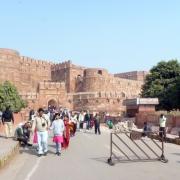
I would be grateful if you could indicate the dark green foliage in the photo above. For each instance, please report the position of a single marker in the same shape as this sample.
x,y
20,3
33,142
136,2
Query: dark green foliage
x,y
163,82
9,96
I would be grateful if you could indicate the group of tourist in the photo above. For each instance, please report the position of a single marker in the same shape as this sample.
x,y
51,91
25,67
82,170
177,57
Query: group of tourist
x,y
62,123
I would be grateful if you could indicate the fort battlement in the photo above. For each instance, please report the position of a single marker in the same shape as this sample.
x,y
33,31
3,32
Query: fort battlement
x,y
32,61
78,67
63,65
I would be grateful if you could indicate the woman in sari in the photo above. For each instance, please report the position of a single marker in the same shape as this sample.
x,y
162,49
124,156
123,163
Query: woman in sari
x,y
66,135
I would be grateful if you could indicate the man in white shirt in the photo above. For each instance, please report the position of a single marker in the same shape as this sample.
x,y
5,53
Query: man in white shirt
x,y
81,119
162,126
42,124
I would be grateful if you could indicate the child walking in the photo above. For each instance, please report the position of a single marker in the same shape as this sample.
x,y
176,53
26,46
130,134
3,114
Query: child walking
x,y
58,129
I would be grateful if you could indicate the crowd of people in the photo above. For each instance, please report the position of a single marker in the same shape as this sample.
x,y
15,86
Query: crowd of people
x,y
63,123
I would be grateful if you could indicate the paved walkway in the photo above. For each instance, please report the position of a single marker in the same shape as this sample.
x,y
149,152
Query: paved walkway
x,y
8,149
86,160
6,145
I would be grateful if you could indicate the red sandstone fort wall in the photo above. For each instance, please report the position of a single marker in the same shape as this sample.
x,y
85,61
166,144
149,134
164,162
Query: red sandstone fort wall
x,y
24,72
9,68
53,91
96,80
68,73
134,75
33,71
68,85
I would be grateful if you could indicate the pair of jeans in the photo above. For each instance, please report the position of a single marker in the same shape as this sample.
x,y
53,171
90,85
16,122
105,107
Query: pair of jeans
x,y
97,128
42,138
162,133
88,125
23,140
58,147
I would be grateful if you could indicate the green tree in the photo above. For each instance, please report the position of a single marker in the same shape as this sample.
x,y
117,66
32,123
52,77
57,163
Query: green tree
x,y
163,82
174,94
9,96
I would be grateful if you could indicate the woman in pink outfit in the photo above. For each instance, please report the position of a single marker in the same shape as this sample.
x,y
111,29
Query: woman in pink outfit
x,y
58,129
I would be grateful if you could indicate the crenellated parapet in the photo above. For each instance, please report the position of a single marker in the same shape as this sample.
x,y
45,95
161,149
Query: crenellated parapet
x,y
32,61
59,66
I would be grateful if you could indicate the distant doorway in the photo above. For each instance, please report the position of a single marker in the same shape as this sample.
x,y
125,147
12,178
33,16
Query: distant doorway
x,y
52,103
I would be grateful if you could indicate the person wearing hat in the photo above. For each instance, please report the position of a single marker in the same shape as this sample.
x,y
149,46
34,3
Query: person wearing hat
x,y
41,123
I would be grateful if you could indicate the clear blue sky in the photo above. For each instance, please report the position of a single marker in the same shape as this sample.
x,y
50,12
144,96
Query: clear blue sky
x,y
119,35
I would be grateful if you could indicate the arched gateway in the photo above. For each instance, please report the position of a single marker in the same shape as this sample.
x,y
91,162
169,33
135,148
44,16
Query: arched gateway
x,y
52,102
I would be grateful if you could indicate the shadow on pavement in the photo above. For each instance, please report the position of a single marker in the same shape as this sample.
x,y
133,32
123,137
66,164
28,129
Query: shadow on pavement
x,y
118,160
52,145
87,132
177,154
100,159
32,151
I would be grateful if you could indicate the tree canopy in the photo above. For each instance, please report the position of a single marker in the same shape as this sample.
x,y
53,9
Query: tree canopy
x,y
9,96
163,82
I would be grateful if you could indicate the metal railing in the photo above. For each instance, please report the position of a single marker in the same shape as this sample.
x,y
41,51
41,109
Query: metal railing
x,y
128,140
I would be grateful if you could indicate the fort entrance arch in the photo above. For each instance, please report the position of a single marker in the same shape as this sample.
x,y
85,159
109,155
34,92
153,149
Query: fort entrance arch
x,y
52,102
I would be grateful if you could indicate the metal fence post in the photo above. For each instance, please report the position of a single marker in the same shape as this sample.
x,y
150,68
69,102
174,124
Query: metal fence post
x,y
110,162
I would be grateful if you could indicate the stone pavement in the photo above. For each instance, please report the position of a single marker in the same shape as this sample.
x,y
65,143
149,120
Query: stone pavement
x,y
86,159
8,148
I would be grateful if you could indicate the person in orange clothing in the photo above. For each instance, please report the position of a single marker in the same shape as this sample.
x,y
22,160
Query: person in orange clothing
x,y
66,134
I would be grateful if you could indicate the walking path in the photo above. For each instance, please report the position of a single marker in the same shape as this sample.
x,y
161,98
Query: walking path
x,y
86,160
8,149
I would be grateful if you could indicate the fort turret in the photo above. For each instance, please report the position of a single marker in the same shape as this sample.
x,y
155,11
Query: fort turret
x,y
9,68
94,79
